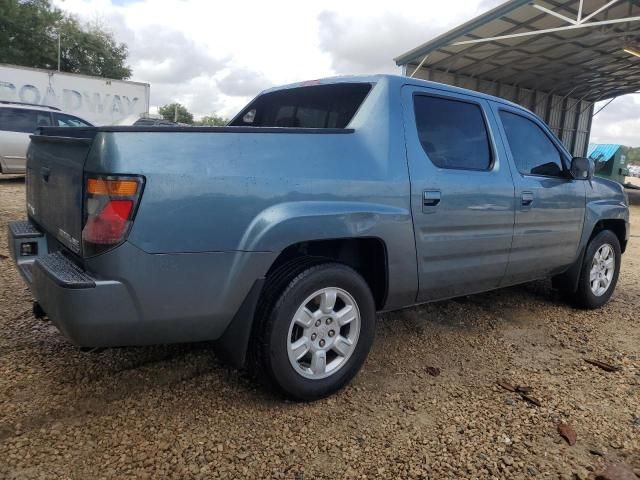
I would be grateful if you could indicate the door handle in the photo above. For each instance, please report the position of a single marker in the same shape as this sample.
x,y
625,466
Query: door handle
x,y
527,199
430,198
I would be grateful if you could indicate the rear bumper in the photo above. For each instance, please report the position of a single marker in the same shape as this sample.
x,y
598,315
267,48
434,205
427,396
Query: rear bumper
x,y
136,298
88,311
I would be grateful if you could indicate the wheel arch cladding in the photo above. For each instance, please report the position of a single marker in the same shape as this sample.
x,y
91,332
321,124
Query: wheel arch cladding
x,y
617,226
367,256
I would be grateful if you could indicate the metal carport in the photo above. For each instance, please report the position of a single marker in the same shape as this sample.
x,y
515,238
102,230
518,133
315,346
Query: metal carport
x,y
556,58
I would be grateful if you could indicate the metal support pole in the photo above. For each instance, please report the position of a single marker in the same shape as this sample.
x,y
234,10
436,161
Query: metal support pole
x,y
419,65
605,106
580,11
59,50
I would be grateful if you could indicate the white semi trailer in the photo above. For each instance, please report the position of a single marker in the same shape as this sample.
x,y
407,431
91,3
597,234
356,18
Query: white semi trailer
x,y
102,101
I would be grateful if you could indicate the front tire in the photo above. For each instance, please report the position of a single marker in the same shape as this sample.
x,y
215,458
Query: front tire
x,y
316,336
600,270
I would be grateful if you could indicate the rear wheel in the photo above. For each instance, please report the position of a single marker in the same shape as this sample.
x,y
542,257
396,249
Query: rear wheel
x,y
315,337
600,270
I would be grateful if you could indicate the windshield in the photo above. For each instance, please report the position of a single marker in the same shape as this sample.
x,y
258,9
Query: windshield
x,y
318,106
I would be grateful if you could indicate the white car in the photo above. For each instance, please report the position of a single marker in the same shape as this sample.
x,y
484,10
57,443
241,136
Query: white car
x,y
18,121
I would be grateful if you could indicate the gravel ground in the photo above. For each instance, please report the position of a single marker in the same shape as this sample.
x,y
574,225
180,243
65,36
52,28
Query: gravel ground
x,y
178,412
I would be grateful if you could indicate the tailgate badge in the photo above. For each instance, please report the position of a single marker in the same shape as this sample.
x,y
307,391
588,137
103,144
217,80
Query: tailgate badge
x,y
71,242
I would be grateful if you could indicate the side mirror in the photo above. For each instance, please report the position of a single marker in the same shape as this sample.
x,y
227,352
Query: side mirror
x,y
582,168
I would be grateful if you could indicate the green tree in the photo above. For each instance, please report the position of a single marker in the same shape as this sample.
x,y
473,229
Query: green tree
x,y
633,156
92,51
212,120
29,37
168,112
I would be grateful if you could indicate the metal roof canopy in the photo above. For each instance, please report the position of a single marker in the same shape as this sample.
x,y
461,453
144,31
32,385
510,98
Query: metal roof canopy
x,y
554,57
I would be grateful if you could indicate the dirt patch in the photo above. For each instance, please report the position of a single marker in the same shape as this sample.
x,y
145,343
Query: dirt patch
x,y
177,412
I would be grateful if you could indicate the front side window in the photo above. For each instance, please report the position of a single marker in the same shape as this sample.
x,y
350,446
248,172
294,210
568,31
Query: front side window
x,y
22,120
533,151
453,133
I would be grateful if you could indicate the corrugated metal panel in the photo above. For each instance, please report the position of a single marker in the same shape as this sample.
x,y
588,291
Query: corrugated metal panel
x,y
586,62
554,117
602,151
466,82
542,102
526,98
584,125
490,88
568,129
509,92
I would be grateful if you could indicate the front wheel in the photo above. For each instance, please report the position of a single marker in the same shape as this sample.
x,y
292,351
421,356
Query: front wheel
x,y
600,270
317,334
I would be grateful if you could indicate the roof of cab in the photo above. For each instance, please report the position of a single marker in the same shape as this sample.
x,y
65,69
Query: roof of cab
x,y
397,80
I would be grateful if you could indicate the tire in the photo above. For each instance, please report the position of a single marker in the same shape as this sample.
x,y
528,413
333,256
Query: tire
x,y
585,296
283,323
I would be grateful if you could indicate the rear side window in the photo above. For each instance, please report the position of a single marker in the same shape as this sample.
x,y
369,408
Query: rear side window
x,y
62,120
533,151
23,120
453,133
318,106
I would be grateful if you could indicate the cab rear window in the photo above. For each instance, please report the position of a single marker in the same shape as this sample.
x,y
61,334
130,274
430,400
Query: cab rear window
x,y
318,106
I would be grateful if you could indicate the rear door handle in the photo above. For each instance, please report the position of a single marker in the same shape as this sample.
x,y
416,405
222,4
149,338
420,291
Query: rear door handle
x,y
527,199
430,198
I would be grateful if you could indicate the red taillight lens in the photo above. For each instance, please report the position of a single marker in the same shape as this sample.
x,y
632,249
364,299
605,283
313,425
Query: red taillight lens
x,y
110,205
110,225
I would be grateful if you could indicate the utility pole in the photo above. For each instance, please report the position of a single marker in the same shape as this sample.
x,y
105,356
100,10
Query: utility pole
x,y
175,112
58,50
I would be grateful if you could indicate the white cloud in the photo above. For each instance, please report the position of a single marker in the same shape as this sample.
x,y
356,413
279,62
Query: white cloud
x,y
243,82
619,122
215,56
353,48
164,55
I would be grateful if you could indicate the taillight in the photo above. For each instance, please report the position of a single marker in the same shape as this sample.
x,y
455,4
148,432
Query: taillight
x,y
110,205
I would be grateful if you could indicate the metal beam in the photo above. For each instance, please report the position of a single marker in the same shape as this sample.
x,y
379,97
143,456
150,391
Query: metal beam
x,y
597,64
501,47
419,65
580,10
447,38
549,30
602,9
555,14
605,106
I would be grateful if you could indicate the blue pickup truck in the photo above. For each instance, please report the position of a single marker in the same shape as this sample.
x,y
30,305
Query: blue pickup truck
x,y
281,235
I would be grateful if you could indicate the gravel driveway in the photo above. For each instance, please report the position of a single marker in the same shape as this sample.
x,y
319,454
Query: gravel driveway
x,y
426,405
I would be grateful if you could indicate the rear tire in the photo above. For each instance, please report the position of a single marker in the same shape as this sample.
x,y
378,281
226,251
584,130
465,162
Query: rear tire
x,y
313,336
599,272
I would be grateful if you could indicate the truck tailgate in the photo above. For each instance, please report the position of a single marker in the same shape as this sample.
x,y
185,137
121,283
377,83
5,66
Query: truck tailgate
x,y
55,162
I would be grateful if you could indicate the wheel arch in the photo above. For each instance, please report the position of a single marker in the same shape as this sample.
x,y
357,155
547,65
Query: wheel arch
x,y
568,280
616,225
366,255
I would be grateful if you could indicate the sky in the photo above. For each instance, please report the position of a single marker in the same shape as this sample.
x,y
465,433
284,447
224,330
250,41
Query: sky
x,y
214,56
